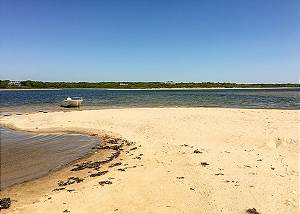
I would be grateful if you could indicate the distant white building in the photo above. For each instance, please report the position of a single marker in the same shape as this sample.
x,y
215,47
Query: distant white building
x,y
170,82
123,84
14,83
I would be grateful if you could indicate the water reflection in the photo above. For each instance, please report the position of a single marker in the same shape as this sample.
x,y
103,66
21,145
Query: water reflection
x,y
25,156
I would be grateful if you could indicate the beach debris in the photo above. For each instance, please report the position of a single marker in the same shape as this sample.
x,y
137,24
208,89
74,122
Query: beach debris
x,y
180,177
5,203
247,166
185,145
85,165
259,160
98,174
134,148
128,143
58,189
114,144
197,151
204,164
192,189
97,164
78,180
219,173
273,168
66,211
226,151
252,211
112,140
69,181
71,190
114,147
49,198
115,164
102,183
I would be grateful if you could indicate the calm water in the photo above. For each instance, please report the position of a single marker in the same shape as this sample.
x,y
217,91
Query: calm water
x,y
25,156
34,100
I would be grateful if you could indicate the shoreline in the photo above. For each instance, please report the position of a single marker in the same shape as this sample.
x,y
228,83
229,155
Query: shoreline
x,y
137,89
8,114
168,139
206,88
30,89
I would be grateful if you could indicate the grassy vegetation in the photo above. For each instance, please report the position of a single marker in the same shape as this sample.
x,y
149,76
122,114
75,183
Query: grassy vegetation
x,y
28,84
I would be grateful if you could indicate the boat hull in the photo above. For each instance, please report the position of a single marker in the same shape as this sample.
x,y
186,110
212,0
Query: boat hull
x,y
72,103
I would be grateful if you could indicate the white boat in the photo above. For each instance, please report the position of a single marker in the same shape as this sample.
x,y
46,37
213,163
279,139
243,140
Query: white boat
x,y
72,102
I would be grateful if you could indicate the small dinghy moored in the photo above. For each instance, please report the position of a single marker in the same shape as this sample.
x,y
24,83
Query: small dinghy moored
x,y
72,102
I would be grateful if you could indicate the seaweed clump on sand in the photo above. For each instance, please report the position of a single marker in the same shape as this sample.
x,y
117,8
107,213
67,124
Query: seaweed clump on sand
x,y
115,164
102,183
59,189
204,164
252,211
115,144
197,151
98,174
97,164
5,203
70,180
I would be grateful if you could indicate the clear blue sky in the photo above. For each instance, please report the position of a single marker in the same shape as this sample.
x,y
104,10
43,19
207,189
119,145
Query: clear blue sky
x,y
154,40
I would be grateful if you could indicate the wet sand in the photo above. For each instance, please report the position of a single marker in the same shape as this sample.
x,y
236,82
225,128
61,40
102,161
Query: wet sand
x,y
169,160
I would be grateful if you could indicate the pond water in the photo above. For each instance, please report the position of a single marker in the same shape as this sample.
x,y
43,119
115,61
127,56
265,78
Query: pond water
x,y
25,155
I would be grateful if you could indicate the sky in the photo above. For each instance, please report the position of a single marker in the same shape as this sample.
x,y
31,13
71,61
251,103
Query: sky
x,y
242,41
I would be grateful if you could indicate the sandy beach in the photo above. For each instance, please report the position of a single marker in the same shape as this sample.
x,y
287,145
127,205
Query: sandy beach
x,y
168,160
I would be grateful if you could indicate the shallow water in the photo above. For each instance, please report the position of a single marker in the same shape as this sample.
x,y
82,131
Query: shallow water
x,y
25,155
50,100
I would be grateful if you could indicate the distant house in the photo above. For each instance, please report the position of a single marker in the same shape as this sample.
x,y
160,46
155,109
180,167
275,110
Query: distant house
x,y
123,84
170,82
14,83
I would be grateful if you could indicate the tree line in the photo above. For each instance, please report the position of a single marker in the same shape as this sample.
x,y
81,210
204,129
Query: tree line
x,y
29,84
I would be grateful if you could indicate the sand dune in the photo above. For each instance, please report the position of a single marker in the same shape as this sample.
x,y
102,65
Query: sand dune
x,y
179,160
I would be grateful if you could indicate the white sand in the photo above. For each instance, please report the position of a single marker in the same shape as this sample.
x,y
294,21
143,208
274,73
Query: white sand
x,y
241,147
